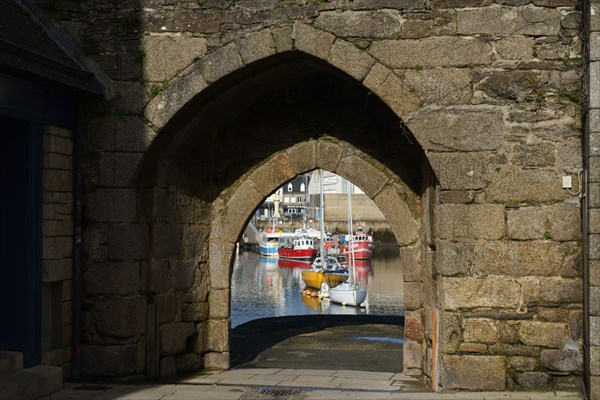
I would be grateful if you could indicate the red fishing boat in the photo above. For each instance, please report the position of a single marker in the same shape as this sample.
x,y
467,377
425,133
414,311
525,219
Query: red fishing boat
x,y
302,248
360,247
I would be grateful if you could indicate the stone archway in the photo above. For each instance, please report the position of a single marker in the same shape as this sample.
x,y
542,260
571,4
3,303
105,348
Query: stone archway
x,y
398,203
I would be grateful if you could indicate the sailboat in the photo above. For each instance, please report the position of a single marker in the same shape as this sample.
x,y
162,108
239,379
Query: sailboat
x,y
350,292
324,268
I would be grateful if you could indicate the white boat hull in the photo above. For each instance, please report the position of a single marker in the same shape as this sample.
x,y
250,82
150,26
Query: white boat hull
x,y
348,294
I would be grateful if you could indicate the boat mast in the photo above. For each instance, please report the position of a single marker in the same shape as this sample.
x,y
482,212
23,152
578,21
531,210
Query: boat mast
x,y
351,236
322,219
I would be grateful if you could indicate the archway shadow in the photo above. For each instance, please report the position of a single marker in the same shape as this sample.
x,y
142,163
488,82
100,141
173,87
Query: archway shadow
x,y
329,342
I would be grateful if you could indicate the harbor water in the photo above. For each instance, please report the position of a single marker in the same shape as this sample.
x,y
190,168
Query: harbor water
x,y
270,287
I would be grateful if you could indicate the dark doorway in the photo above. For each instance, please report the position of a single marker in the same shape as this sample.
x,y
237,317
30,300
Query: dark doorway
x,y
20,237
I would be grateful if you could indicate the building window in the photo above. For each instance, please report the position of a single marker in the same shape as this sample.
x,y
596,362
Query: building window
x,y
290,187
302,187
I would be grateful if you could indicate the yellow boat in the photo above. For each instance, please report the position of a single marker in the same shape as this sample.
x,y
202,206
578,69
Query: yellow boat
x,y
313,278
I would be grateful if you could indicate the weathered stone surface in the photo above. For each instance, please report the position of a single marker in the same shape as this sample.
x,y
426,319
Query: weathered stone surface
x,y
350,59
312,41
413,326
412,355
167,367
458,129
595,327
559,290
515,47
189,362
450,332
545,334
538,381
282,38
256,46
521,363
218,361
473,372
451,86
479,331
450,51
220,261
173,337
119,169
229,221
392,90
530,186
453,258
219,303
456,197
112,278
461,171
472,348
369,25
111,205
302,156
168,307
368,174
127,242
122,317
218,335
561,360
557,222
180,91
166,56
535,155
475,221
541,258
502,20
480,292
108,360
328,154
398,215
394,4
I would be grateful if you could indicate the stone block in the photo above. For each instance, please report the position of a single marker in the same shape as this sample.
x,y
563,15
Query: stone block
x,y
473,372
462,171
363,24
559,290
256,46
220,263
350,59
218,335
536,21
514,186
302,156
169,101
122,317
183,274
480,331
594,367
273,174
412,295
119,169
111,205
450,86
520,363
594,330
412,355
561,360
58,180
312,41
458,293
537,155
450,332
168,307
472,348
594,272
409,53
558,222
594,247
394,207
108,360
545,334
594,83
453,258
167,240
229,221
166,56
515,48
520,259
130,98
119,278
474,221
413,326
366,173
533,381
411,264
217,361
174,336
594,300
57,270
392,90
462,129
127,242
219,300
189,362
456,197
282,38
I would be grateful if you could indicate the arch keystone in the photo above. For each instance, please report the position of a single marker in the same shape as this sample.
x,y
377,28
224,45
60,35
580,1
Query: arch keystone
x,y
274,173
329,154
364,174
312,41
303,156
256,45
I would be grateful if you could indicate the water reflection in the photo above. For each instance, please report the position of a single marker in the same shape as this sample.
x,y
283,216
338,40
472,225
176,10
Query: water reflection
x,y
267,287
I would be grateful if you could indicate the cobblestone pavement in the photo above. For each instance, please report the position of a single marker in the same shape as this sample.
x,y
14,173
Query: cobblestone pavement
x,y
286,384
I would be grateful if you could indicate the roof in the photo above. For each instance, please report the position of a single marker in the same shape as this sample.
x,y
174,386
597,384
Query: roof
x,y
27,46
